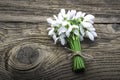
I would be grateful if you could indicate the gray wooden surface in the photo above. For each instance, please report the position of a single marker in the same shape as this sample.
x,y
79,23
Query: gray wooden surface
x,y
28,53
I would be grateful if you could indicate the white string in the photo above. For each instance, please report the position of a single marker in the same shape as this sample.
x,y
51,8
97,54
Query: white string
x,y
81,54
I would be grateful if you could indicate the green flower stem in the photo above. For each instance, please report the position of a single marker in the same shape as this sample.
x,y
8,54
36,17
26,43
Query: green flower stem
x,y
78,63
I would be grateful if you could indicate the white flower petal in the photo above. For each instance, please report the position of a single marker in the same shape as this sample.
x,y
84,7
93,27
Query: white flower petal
x,y
68,16
51,32
58,22
82,30
49,28
73,13
60,17
55,17
53,22
83,14
89,18
74,26
91,29
70,29
55,39
63,12
62,36
64,23
76,32
62,39
86,24
90,35
78,15
81,38
68,33
61,30
94,33
50,21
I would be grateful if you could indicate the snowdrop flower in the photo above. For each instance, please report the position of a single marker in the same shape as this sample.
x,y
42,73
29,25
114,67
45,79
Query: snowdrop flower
x,y
78,15
50,21
55,38
82,31
71,22
86,24
68,16
64,23
76,32
55,17
89,35
53,22
91,29
89,18
61,30
63,12
62,39
81,38
71,14
94,33
51,31
83,14
71,27
60,17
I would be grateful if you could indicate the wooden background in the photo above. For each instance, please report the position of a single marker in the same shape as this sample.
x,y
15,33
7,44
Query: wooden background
x,y
28,53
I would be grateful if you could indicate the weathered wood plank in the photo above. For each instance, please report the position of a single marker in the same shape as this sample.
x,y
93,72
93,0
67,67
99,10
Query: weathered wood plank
x,y
107,33
42,19
23,30
4,75
37,10
57,64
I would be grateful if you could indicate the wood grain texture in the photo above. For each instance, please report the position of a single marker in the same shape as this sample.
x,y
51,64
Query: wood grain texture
x,y
23,30
37,10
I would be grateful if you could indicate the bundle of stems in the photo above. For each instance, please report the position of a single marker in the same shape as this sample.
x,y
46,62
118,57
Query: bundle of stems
x,y
78,62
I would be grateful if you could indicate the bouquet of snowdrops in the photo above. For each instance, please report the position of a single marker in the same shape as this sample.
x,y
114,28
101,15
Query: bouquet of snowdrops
x,y
72,27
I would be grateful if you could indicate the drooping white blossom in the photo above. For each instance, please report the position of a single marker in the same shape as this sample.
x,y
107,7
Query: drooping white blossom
x,y
71,27
51,31
82,31
89,35
55,38
89,18
61,30
78,15
71,22
63,13
62,39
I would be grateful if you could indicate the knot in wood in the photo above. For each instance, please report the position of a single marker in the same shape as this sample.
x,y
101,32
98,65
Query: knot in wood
x,y
25,56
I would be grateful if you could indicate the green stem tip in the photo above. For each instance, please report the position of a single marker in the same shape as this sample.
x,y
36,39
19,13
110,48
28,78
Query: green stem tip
x,y
78,64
